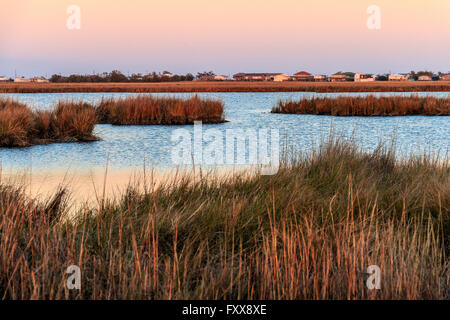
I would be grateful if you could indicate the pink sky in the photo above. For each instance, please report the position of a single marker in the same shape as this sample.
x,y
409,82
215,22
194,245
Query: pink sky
x,y
227,36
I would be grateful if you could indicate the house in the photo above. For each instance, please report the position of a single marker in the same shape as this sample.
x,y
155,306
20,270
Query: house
x,y
320,77
303,76
338,77
445,77
425,78
22,80
255,76
221,78
281,77
363,77
39,80
4,79
398,77
167,74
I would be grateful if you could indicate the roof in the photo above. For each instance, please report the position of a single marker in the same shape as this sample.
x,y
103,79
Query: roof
x,y
303,73
256,74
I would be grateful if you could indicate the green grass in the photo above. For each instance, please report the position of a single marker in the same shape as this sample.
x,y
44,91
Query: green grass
x,y
308,232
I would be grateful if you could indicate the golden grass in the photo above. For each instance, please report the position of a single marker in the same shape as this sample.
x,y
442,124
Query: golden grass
x,y
227,86
308,232
367,106
73,121
21,127
146,109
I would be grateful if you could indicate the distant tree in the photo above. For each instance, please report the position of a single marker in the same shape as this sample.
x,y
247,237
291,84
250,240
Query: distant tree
x,y
55,78
382,77
206,74
117,76
413,75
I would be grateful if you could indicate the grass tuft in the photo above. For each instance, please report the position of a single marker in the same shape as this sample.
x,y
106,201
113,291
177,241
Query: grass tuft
x,y
308,232
367,106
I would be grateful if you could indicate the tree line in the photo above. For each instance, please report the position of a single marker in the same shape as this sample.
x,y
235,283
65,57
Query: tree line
x,y
117,76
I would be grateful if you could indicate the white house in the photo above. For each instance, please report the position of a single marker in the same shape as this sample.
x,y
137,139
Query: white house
x,y
221,78
425,78
398,77
320,77
363,77
4,79
22,80
281,77
39,80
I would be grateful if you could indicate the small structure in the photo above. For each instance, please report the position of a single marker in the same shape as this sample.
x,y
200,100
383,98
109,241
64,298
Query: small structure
x,y
445,77
167,74
320,77
398,77
22,80
255,76
4,79
425,78
281,77
39,80
303,76
364,77
221,78
338,77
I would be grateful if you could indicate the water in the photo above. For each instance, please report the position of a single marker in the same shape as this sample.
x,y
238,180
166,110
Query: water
x,y
127,146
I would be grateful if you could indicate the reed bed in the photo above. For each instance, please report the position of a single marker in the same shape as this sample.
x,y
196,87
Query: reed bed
x,y
147,110
367,106
71,121
308,232
228,86
67,122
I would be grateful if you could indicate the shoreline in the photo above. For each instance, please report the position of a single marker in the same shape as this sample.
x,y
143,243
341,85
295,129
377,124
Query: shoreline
x,y
228,86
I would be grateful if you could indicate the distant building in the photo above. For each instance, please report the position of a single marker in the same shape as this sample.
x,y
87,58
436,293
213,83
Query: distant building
x,y
167,74
320,77
363,77
4,79
281,77
303,76
255,76
445,77
425,78
39,80
338,78
398,77
221,78
22,80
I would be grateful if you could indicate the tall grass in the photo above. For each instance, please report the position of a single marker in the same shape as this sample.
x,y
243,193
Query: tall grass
x,y
72,121
21,127
228,86
145,110
308,232
367,106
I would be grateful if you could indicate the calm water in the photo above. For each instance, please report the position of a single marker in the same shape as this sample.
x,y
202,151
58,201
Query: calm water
x,y
128,146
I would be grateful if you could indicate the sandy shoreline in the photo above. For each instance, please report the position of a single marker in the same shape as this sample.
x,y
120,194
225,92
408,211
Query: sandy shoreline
x,y
91,185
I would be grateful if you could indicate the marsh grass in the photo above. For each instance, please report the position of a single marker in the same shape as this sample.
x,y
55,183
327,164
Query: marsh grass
x,y
308,232
68,122
229,86
72,121
367,106
147,109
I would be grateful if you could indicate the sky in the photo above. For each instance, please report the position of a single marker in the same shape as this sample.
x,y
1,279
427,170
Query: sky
x,y
225,36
